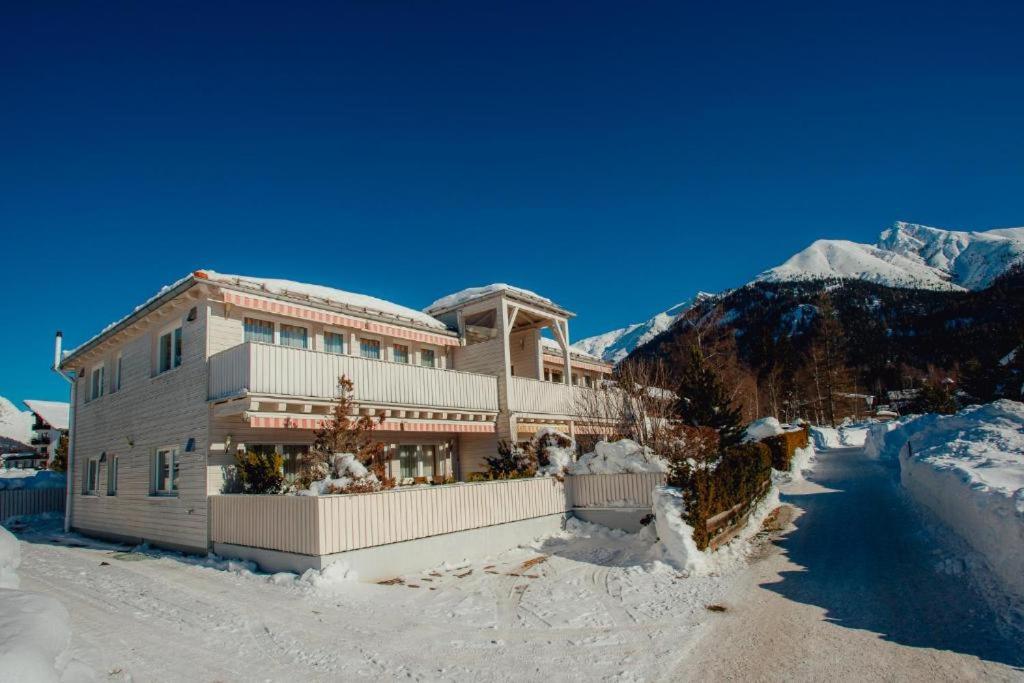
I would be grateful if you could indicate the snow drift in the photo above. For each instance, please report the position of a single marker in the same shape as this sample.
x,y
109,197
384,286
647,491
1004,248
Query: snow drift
x,y
618,457
968,470
763,428
35,630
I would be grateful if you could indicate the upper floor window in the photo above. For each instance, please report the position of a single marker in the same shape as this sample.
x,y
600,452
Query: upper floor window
x,y
401,352
334,342
369,348
169,351
294,336
118,372
96,379
165,471
428,358
259,331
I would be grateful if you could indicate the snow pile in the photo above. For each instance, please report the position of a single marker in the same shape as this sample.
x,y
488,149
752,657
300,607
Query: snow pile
x,y
348,472
763,428
801,462
676,536
32,479
558,448
968,469
332,577
619,457
846,436
35,630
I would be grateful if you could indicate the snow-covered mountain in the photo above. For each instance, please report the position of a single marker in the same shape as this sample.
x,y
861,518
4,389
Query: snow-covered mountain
x,y
615,345
910,255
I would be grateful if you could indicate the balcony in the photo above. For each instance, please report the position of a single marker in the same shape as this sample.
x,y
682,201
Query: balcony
x,y
262,369
553,398
41,440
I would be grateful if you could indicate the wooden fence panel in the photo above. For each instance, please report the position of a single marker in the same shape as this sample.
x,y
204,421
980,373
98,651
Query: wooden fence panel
x,y
614,490
30,502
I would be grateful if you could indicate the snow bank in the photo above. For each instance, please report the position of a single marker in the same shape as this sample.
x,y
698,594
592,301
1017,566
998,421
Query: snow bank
x,y
851,435
801,462
763,428
968,469
32,479
825,437
618,457
676,536
35,630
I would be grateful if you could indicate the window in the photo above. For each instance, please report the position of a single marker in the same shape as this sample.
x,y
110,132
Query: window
x,y
427,358
261,331
426,461
406,462
334,342
369,348
96,382
292,456
92,475
169,350
294,336
112,475
118,372
401,352
165,471
556,377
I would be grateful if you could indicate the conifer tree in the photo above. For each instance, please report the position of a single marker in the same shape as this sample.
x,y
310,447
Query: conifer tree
x,y
704,401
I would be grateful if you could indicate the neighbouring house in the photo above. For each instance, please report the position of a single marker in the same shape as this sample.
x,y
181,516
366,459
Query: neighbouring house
x,y
16,455
215,364
50,423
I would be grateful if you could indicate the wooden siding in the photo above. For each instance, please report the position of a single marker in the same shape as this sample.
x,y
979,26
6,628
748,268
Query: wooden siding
x,y
322,525
30,502
550,398
149,411
283,371
613,490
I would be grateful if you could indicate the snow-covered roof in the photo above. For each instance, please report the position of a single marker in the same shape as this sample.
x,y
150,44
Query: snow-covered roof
x,y
329,295
55,413
555,347
472,293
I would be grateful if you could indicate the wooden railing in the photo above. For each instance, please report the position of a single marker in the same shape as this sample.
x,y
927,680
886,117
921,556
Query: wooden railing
x,y
284,371
30,502
613,490
322,525
553,398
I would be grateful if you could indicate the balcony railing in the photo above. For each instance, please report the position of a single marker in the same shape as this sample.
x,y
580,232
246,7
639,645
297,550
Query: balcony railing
x,y
283,371
553,398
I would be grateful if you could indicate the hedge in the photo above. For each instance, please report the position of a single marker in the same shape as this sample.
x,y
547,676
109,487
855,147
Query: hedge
x,y
740,477
783,446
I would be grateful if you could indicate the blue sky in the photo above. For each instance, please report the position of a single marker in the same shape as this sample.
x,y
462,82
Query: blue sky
x,y
616,157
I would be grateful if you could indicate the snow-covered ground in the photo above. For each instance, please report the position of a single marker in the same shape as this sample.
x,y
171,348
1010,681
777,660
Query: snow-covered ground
x,y
587,604
845,436
968,470
35,630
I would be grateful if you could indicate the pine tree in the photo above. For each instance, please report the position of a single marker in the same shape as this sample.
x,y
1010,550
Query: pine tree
x,y
704,401
60,455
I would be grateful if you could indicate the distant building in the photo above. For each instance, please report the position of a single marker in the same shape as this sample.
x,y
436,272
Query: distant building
x,y
50,423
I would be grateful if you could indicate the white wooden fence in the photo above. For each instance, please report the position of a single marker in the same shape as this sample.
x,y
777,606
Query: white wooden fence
x,y
30,502
322,525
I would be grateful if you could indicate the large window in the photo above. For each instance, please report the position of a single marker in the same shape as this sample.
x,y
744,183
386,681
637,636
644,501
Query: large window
x,y
92,476
96,379
334,342
428,358
259,331
165,471
169,350
416,462
294,336
369,348
401,352
112,475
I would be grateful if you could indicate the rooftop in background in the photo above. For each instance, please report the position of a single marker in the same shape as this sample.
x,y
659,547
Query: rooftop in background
x,y
55,413
474,293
